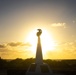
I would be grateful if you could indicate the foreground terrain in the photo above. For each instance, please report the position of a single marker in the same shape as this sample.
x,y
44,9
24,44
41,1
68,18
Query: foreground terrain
x,y
20,66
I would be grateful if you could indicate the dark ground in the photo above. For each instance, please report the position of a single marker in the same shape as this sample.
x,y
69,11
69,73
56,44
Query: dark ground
x,y
19,66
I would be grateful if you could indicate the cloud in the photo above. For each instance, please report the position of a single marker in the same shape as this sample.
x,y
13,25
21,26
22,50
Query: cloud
x,y
4,50
12,46
15,44
68,47
59,25
15,50
11,54
2,46
19,49
63,50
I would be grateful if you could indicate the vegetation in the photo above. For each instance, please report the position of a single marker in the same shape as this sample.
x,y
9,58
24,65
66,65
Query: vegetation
x,y
63,66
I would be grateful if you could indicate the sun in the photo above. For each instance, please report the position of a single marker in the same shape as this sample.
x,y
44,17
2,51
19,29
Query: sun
x,y
47,41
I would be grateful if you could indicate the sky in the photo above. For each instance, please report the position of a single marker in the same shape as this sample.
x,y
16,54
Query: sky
x,y
20,18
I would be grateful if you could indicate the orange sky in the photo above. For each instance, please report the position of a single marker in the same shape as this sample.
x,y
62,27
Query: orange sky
x,y
20,20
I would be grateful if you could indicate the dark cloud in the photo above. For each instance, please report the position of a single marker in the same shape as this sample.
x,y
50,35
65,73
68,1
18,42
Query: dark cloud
x,y
2,46
15,44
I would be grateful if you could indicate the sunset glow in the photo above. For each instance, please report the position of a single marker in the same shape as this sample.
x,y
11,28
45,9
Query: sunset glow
x,y
47,41
20,19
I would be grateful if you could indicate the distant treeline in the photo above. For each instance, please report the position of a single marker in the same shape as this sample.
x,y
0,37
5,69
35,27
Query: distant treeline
x,y
24,64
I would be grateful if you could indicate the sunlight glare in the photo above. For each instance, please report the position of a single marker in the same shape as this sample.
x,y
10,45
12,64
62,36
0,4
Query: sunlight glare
x,y
47,41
